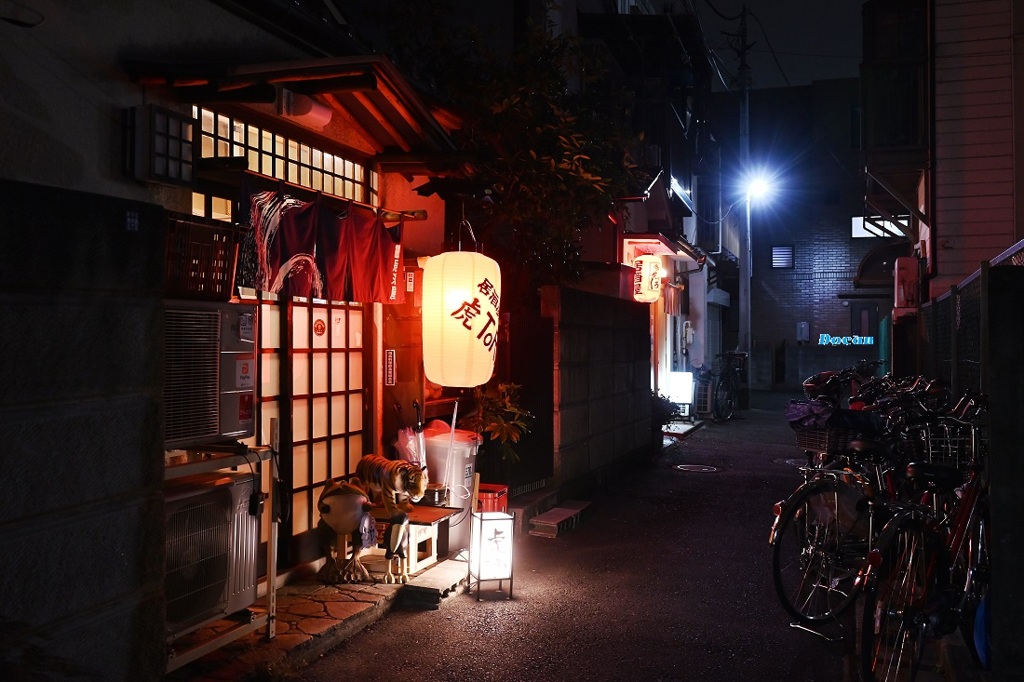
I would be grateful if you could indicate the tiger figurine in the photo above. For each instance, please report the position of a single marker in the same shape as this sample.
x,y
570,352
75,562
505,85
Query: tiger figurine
x,y
397,482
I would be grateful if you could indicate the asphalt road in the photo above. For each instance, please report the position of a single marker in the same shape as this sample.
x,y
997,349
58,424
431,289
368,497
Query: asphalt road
x,y
667,577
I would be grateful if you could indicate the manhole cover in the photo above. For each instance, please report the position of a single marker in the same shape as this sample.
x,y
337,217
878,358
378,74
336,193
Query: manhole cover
x,y
700,468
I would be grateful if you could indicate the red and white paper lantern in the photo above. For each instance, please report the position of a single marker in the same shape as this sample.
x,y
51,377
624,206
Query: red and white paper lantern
x,y
461,300
646,278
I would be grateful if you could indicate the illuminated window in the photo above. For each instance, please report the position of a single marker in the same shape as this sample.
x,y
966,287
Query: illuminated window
x,y
278,157
782,256
210,206
876,226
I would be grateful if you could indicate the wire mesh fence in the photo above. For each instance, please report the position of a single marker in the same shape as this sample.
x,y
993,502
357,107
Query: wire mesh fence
x,y
953,329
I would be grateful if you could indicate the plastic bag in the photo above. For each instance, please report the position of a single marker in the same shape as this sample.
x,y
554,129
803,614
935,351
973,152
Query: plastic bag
x,y
408,445
808,413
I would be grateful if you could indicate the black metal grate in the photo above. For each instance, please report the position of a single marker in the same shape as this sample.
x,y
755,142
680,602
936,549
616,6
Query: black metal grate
x,y
191,374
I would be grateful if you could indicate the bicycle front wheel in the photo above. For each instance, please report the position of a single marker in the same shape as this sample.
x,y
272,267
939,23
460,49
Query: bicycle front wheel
x,y
819,547
896,604
725,399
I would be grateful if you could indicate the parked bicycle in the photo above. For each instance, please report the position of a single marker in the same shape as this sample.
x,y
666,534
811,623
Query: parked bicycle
x,y
929,571
727,388
825,531
841,386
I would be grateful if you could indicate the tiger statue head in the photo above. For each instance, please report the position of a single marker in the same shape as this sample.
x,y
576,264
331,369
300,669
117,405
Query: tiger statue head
x,y
396,482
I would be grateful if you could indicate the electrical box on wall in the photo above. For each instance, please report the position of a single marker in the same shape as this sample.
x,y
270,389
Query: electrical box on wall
x,y
414,284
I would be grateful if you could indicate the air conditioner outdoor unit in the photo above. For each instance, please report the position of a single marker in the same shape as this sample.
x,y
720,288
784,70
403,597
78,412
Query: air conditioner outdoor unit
x,y
209,372
211,544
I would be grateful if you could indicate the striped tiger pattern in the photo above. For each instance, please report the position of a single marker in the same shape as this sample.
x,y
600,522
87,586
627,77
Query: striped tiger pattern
x,y
398,483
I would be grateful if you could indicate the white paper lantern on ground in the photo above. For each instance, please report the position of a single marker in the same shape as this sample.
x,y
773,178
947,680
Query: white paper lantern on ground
x,y
646,278
461,300
490,549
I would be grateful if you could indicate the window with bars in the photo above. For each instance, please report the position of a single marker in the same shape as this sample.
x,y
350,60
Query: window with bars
x,y
782,256
171,151
282,158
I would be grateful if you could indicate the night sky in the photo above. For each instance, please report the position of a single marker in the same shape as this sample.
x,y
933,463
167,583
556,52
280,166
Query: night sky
x,y
811,39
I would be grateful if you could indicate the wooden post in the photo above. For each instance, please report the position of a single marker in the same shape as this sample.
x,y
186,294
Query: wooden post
x,y
476,493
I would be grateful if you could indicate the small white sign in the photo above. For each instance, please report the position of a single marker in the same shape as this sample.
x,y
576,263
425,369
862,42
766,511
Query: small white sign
x,y
389,367
246,327
244,375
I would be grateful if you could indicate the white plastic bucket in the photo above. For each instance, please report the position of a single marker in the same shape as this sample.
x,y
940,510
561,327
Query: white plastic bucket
x,y
456,471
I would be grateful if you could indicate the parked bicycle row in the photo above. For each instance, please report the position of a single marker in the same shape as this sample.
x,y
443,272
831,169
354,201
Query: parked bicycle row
x,y
892,506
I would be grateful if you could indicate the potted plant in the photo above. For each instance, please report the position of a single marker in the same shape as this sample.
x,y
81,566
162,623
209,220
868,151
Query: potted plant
x,y
499,419
663,411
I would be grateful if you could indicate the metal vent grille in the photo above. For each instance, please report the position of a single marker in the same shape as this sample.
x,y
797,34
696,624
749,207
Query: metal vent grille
x,y
191,375
782,256
211,547
198,546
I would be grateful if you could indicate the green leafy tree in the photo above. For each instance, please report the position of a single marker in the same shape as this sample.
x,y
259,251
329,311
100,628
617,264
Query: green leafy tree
x,y
549,136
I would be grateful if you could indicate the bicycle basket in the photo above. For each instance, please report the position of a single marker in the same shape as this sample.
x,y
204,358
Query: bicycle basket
x,y
823,439
736,360
950,444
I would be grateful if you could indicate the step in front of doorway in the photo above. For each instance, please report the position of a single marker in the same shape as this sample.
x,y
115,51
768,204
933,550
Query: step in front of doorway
x,y
558,519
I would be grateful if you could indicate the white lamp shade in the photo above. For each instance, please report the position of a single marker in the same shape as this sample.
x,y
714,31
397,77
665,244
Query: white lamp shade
x,y
490,551
461,300
646,278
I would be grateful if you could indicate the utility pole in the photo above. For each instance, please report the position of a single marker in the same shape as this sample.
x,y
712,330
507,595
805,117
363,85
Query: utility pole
x,y
744,255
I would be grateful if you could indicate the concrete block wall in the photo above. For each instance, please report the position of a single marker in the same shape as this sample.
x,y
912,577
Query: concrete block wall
x,y
81,325
602,389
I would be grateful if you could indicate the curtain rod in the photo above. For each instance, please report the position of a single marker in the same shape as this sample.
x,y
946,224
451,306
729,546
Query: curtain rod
x,y
387,215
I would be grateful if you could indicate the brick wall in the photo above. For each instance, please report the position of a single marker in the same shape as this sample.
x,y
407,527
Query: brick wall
x,y
810,135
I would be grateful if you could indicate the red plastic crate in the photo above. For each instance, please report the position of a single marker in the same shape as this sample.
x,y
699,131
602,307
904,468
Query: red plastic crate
x,y
492,498
201,258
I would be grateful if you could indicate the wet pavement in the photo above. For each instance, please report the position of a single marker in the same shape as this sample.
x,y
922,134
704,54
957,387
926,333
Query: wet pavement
x,y
665,577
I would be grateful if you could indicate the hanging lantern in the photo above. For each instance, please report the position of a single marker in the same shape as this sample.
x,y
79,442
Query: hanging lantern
x,y
646,278
461,297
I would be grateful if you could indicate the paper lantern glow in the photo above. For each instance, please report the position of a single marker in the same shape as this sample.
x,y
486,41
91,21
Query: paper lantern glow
x,y
646,278
461,300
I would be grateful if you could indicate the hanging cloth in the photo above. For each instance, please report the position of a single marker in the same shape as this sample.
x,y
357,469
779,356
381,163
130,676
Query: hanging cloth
x,y
291,255
361,259
260,258
395,264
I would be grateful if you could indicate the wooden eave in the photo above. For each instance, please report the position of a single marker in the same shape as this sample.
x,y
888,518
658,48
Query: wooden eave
x,y
366,91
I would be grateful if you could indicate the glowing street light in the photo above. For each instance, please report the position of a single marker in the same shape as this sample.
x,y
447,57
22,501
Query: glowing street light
x,y
757,187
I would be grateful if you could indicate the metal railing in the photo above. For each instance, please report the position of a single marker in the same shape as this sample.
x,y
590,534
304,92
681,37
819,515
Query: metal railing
x,y
954,329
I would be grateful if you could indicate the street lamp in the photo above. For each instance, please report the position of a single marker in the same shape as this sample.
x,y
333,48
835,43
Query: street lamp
x,y
757,186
